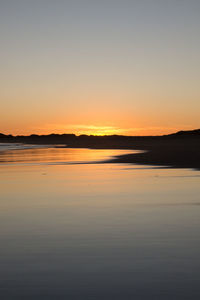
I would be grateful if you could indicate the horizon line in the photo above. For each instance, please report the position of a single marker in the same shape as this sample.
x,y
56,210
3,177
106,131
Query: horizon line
x,y
98,135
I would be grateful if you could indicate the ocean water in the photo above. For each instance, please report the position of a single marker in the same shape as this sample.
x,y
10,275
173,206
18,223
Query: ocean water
x,y
96,231
19,146
58,154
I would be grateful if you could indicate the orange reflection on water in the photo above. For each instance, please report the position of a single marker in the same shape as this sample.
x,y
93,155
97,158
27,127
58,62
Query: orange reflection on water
x,y
59,155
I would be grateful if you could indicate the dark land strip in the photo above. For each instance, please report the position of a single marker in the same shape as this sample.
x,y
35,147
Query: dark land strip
x,y
179,150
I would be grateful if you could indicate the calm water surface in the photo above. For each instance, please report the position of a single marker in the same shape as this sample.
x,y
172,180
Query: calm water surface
x,y
96,231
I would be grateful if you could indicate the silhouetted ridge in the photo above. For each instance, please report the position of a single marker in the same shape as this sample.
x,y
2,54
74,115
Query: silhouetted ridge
x,y
106,141
187,133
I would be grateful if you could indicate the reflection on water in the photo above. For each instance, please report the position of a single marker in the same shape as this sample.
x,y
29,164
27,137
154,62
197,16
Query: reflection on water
x,y
45,154
98,231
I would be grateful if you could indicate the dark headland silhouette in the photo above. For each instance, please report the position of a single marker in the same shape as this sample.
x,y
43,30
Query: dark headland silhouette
x,y
181,149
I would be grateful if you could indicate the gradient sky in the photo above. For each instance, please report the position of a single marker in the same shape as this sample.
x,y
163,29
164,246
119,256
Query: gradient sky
x,y
90,66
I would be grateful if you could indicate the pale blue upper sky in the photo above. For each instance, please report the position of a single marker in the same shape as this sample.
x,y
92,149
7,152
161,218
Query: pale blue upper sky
x,y
128,65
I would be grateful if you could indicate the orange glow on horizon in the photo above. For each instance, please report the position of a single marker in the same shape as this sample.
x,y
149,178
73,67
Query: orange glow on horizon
x,y
96,130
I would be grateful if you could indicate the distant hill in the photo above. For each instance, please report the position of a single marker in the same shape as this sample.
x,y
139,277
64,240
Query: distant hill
x,y
187,133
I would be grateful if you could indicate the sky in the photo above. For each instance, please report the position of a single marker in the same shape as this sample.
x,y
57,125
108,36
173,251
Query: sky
x,y
127,67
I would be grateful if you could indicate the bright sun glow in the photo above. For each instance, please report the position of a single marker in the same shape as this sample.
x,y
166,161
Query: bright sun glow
x,y
100,130
79,129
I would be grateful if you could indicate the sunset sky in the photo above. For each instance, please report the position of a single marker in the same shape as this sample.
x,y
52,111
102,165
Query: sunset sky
x,y
99,67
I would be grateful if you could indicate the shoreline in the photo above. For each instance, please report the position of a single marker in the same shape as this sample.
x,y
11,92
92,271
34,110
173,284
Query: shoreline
x,y
170,152
175,155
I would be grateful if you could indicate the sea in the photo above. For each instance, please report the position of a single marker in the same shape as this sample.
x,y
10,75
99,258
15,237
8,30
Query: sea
x,y
73,226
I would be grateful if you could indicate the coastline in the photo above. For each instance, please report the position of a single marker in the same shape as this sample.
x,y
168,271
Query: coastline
x,y
170,155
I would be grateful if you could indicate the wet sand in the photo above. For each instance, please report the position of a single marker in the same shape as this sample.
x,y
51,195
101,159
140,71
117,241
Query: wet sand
x,y
97,231
183,153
